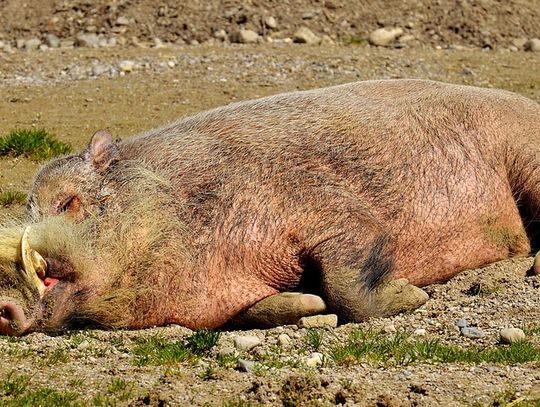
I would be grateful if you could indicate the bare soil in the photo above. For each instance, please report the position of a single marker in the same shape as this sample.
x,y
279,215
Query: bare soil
x,y
60,91
481,23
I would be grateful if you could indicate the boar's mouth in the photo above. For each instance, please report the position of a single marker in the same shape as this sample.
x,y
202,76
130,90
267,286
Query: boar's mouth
x,y
35,267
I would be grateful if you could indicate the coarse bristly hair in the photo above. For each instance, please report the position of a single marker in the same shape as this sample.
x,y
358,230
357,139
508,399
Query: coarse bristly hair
x,y
109,255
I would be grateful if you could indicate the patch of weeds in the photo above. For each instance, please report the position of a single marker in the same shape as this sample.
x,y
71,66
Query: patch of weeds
x,y
156,350
237,403
76,382
508,398
35,144
15,391
354,40
202,341
9,198
483,290
102,400
227,361
531,330
313,339
120,388
274,359
13,385
370,346
210,373
59,355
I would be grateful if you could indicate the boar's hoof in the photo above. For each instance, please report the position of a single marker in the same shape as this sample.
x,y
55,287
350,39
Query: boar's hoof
x,y
398,296
279,309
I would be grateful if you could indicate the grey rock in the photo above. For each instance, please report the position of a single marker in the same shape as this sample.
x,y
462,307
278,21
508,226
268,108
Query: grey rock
x,y
52,40
67,44
98,70
126,66
533,45
384,37
32,44
158,43
315,359
462,323
245,365
318,321
87,40
305,36
472,332
19,43
520,43
284,340
512,335
228,351
122,21
327,40
270,22
220,35
246,343
2,44
406,38
245,37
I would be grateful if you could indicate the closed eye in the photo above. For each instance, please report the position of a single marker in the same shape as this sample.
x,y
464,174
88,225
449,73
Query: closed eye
x,y
71,205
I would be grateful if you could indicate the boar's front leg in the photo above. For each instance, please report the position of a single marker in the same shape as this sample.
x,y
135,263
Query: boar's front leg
x,y
284,308
356,276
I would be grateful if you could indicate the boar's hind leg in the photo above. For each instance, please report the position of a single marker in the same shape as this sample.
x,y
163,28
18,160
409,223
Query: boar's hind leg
x,y
279,309
362,290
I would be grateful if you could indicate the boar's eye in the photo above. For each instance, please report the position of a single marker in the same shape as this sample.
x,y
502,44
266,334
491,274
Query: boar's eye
x,y
71,205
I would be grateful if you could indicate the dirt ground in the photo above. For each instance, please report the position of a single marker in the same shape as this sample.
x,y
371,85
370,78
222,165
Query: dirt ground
x,y
74,92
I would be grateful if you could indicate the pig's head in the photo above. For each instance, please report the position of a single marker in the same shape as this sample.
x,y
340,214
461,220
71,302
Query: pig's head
x,y
111,269
74,185
39,285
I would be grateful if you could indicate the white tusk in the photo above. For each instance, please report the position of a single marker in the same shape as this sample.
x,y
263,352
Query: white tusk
x,y
34,264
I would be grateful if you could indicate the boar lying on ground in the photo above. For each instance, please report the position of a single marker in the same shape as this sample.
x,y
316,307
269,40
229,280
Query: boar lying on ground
x,y
343,192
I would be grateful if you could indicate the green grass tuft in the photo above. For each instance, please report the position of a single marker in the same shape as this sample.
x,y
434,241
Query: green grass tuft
x,y
8,198
314,339
15,391
157,350
35,144
370,346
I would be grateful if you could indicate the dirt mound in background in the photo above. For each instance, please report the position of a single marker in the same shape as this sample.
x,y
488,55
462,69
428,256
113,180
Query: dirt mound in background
x,y
481,23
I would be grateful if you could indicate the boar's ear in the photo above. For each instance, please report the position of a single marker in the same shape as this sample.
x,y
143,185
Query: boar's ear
x,y
102,151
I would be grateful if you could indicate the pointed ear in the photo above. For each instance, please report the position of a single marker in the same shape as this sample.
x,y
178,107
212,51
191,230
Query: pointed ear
x,y
102,151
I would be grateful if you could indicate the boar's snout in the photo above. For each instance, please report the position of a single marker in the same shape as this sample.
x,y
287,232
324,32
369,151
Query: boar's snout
x,y
12,319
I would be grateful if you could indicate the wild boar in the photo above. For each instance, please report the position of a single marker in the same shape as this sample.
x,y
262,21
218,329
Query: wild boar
x,y
346,192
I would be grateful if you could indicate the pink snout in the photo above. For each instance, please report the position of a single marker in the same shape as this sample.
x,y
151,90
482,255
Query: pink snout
x,y
12,319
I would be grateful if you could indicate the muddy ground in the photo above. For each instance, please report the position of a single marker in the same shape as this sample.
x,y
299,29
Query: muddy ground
x,y
73,92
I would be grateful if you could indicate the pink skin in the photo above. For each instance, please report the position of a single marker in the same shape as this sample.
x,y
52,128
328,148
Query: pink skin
x,y
12,319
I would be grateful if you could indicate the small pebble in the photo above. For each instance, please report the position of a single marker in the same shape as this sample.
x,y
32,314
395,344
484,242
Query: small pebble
x,y
226,351
389,329
126,66
245,365
420,332
246,343
472,332
305,36
318,321
462,323
315,359
512,335
284,340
